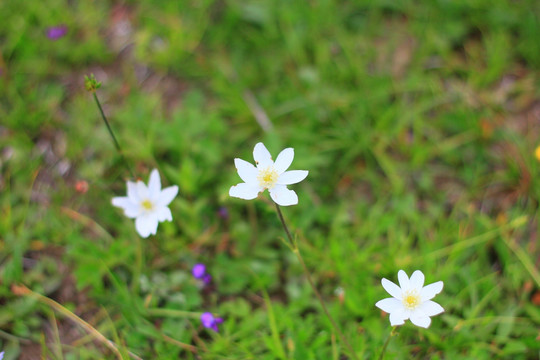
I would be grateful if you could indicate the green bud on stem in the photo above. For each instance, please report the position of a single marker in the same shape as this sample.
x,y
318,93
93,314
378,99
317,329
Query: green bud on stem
x,y
91,84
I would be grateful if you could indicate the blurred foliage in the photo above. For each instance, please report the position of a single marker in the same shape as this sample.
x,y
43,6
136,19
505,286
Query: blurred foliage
x,y
418,122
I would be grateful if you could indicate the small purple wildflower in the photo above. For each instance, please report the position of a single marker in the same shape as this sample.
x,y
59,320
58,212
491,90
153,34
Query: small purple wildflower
x,y
209,321
207,278
223,213
56,32
1,355
199,272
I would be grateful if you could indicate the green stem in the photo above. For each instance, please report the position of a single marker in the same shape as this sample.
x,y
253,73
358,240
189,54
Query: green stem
x,y
10,337
392,333
116,144
296,251
139,260
173,313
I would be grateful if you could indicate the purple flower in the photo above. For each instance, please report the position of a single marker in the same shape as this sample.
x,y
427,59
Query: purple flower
x,y
56,32
209,321
223,213
199,272
206,279
1,355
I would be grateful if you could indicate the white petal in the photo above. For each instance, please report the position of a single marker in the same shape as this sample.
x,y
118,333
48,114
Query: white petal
x,y
392,288
146,225
403,280
142,190
163,214
292,177
246,171
389,305
418,318
167,195
262,156
417,280
283,196
122,201
284,160
428,292
431,308
154,184
244,191
132,192
131,210
398,317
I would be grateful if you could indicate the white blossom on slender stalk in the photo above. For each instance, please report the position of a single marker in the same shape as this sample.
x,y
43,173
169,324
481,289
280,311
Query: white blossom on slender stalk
x,y
411,299
148,205
268,175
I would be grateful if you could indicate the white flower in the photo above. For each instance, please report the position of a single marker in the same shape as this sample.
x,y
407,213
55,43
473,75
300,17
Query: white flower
x,y
147,204
268,175
411,300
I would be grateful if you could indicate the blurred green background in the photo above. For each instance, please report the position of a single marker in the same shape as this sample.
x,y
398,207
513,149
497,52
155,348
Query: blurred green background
x,y
418,122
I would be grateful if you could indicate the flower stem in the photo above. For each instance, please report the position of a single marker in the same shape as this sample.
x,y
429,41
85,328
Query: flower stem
x,y
392,333
116,144
173,313
139,261
296,251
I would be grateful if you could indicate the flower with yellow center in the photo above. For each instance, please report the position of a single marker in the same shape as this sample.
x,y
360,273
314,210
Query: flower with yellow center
x,y
268,175
148,205
411,299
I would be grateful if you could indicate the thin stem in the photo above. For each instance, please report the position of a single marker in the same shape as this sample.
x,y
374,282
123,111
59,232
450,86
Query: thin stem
x,y
392,333
312,284
116,144
139,260
57,348
180,344
173,313
11,337
280,214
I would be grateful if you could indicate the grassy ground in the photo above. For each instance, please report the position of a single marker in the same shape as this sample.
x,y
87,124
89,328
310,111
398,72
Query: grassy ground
x,y
418,124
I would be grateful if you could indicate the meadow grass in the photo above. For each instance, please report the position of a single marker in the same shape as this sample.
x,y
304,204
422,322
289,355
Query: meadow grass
x,y
418,122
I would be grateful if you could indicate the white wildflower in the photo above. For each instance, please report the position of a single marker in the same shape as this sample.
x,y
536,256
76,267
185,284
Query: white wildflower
x,y
411,299
148,205
268,175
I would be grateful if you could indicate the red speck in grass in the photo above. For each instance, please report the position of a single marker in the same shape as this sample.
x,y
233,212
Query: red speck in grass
x,y
81,186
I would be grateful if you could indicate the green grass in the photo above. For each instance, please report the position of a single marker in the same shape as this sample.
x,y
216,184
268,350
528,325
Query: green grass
x,y
418,122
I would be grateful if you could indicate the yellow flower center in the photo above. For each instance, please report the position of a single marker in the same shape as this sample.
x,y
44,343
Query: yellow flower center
x,y
147,205
267,177
411,299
